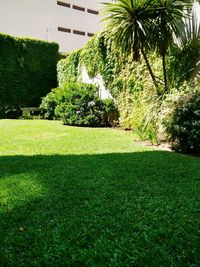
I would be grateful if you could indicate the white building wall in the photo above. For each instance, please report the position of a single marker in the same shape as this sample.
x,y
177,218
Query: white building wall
x,y
97,80
41,18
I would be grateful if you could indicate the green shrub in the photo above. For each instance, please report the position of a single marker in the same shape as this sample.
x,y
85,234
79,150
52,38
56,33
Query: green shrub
x,y
139,111
111,114
78,104
48,105
183,125
181,69
27,70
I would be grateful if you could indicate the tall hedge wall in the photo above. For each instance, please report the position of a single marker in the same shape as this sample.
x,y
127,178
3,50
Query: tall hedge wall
x,y
27,70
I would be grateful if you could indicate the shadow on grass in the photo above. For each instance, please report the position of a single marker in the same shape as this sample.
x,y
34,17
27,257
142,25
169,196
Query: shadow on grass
x,y
131,209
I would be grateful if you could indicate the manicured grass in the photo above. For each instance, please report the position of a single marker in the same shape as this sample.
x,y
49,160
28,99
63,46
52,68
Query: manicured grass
x,y
91,197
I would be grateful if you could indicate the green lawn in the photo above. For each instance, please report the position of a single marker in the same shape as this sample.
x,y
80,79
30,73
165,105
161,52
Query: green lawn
x,y
91,197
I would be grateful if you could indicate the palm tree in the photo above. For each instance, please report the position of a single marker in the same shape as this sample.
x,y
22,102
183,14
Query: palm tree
x,y
169,27
139,25
129,24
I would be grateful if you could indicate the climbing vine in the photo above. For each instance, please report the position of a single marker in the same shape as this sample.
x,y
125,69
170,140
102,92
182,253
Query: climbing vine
x,y
128,81
68,68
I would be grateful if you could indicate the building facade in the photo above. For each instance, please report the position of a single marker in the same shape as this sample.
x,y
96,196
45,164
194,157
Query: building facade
x,y
70,23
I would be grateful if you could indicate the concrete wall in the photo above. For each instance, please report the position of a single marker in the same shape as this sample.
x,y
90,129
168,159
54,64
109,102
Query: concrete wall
x,y
41,18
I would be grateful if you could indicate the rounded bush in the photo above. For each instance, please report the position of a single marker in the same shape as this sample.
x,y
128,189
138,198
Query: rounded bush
x,y
78,104
184,125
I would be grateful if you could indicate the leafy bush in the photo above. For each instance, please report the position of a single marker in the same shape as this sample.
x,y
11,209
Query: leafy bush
x,y
139,111
183,125
27,70
79,104
48,105
180,68
111,113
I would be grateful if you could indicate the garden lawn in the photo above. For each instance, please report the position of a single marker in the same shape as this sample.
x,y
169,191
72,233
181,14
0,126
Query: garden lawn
x,y
91,197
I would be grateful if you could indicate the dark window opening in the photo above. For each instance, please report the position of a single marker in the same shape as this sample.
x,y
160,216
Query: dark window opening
x,y
90,34
61,29
78,32
91,11
63,4
78,8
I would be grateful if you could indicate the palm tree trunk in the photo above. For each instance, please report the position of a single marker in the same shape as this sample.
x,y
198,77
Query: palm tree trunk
x,y
136,54
165,71
164,49
150,69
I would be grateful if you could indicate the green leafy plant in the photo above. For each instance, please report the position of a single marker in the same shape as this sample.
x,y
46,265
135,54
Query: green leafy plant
x,y
128,24
111,114
79,104
27,70
181,69
183,124
48,105
68,68
140,26
141,105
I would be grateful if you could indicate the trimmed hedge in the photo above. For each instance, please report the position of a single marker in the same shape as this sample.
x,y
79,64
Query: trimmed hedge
x,y
27,70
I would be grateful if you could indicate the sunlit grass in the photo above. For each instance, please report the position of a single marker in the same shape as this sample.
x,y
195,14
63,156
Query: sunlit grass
x,y
51,137
91,197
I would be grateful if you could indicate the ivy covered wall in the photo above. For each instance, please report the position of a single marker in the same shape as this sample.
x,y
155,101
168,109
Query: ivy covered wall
x,y
100,56
27,70
138,101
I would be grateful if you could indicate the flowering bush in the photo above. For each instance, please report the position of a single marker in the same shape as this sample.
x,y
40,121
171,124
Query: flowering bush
x,y
79,104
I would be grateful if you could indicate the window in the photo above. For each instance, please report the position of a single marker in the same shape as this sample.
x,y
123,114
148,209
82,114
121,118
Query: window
x,y
63,4
78,32
91,11
61,29
89,34
78,8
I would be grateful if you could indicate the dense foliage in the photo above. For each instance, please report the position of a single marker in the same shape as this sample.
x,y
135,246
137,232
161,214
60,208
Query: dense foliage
x,y
101,56
184,63
183,124
140,26
27,70
68,68
48,105
139,103
142,105
79,104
